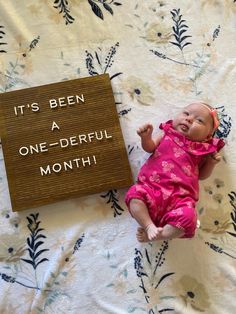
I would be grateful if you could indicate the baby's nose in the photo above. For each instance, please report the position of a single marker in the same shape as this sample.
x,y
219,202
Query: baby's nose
x,y
189,118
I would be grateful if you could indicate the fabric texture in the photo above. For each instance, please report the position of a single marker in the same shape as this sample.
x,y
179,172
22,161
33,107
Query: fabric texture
x,y
81,256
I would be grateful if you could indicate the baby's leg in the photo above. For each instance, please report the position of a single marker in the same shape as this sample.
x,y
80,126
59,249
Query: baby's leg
x,y
140,213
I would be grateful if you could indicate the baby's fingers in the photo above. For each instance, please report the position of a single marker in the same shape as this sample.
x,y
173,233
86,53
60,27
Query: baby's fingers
x,y
146,128
216,157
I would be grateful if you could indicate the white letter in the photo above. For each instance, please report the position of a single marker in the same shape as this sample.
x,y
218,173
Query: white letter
x,y
53,103
107,136
82,137
21,109
15,111
43,171
55,126
66,142
34,149
35,106
80,98
68,164
70,100
73,141
101,136
86,161
43,147
62,102
90,135
58,167
77,162
26,151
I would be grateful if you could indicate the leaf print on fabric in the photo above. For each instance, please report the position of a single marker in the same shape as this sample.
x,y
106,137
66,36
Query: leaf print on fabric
x,y
220,249
216,33
2,33
217,225
62,6
201,62
179,29
232,196
12,76
112,198
199,66
56,294
146,270
15,251
12,279
107,6
165,57
96,64
225,123
32,45
76,247
34,243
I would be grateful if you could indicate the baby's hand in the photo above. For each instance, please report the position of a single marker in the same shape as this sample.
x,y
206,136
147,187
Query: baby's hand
x,y
215,157
145,130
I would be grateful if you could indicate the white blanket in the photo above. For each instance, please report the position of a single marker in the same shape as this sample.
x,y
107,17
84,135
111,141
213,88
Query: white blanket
x,y
81,256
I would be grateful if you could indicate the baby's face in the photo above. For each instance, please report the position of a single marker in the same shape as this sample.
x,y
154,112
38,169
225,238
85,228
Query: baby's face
x,y
195,122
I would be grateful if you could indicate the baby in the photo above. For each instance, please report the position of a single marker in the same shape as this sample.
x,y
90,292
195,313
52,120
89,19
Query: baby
x,y
164,198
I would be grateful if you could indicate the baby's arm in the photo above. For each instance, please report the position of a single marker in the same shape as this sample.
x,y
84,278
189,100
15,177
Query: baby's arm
x,y
209,164
148,143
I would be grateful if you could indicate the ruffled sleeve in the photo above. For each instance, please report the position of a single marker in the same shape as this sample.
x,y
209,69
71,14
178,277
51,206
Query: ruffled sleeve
x,y
195,148
166,126
203,148
218,143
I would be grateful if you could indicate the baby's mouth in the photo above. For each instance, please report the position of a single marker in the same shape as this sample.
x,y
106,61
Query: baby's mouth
x,y
184,127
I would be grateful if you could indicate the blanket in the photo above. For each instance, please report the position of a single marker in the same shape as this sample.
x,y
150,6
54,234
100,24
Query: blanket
x,y
81,255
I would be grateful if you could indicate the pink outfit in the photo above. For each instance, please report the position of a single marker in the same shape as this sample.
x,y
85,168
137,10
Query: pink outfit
x,y
168,181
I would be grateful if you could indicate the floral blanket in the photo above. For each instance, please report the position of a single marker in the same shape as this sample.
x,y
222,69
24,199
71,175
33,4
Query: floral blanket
x,y
81,255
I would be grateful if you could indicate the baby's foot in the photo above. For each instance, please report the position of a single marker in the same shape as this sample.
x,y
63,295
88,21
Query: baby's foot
x,y
153,232
142,235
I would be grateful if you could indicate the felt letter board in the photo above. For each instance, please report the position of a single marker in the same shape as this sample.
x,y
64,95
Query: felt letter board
x,y
62,140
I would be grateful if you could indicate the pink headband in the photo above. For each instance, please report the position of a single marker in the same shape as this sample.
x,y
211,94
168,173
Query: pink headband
x,y
214,115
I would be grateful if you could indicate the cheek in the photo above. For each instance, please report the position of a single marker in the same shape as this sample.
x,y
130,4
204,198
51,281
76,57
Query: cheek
x,y
176,121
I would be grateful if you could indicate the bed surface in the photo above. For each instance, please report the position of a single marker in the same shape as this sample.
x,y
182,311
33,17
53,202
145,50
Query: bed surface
x,y
81,255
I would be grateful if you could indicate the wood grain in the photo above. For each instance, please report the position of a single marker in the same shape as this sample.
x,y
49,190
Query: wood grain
x,y
104,148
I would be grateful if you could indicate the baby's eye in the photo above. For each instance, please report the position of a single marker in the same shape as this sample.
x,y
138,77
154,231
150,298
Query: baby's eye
x,y
186,113
200,120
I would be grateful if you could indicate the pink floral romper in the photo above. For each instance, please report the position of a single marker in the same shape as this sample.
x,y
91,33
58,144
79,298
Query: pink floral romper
x,y
168,181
